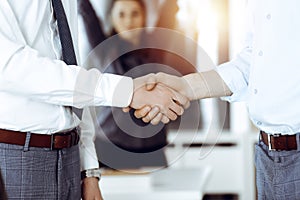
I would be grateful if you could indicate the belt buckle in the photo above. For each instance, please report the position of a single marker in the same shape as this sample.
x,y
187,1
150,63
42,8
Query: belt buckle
x,y
74,137
53,140
269,141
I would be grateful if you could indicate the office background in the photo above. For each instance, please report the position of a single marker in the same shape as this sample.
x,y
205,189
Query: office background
x,y
224,138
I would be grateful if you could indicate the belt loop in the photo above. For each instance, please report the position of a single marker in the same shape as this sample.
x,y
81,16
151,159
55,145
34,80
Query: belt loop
x,y
52,142
297,141
27,140
260,136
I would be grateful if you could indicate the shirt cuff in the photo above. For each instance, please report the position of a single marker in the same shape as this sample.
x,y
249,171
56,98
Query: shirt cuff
x,y
234,80
114,90
88,156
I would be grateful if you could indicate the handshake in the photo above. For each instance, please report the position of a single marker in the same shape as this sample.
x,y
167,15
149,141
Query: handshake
x,y
160,97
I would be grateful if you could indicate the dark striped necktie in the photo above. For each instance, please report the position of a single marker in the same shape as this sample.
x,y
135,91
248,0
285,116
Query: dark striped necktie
x,y
68,52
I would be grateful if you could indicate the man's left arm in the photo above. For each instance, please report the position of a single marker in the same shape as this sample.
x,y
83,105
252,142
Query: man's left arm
x,y
88,156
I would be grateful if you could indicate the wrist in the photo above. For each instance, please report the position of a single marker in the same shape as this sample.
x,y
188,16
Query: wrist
x,y
195,87
90,180
91,189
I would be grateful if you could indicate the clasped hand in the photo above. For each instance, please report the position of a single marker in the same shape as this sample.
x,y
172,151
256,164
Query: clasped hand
x,y
156,102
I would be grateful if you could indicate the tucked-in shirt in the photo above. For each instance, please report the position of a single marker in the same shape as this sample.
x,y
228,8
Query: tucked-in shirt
x,y
36,86
266,72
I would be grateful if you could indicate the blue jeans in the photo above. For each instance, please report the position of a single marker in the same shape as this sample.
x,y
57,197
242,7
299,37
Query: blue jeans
x,y
277,173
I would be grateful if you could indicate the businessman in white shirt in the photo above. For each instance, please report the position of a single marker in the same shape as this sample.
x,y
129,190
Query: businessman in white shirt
x,y
265,74
39,133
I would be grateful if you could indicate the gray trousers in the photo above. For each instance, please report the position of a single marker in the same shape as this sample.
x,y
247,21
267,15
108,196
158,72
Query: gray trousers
x,y
38,173
277,173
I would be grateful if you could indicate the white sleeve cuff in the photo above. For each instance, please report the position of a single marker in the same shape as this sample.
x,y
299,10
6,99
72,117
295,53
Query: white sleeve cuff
x,y
235,80
88,156
114,90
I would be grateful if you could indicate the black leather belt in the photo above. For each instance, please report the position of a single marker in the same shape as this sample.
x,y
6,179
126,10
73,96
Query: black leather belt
x,y
54,142
279,142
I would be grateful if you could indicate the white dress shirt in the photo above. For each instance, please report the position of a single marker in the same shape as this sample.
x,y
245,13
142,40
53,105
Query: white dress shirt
x,y
35,86
267,71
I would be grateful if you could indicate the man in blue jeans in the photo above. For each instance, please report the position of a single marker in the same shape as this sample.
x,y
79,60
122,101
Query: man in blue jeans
x,y
265,74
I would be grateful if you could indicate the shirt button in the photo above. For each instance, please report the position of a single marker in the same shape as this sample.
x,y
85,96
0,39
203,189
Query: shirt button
x,y
260,53
255,91
268,16
259,123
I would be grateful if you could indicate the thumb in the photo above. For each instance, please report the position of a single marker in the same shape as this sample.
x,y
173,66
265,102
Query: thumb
x,y
126,110
151,82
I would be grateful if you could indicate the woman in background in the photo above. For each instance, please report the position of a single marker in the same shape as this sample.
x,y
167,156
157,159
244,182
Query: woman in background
x,y
122,140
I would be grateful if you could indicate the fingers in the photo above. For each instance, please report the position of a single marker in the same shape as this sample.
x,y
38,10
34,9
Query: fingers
x,y
165,119
126,110
177,104
140,113
178,97
174,82
148,80
181,100
157,119
171,115
151,82
177,109
161,103
151,115
186,105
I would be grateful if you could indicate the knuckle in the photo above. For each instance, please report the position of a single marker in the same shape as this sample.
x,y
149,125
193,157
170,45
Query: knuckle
x,y
165,120
173,117
154,122
181,111
137,114
145,119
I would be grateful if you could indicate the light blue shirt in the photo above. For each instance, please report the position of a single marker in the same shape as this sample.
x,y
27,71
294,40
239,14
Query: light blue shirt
x,y
267,71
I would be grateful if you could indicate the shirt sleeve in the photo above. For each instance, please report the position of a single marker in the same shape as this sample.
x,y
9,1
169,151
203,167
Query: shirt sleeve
x,y
24,72
236,72
88,155
236,75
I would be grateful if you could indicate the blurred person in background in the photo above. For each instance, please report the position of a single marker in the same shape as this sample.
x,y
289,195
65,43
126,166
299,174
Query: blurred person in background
x,y
122,140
